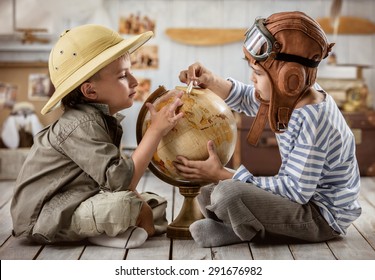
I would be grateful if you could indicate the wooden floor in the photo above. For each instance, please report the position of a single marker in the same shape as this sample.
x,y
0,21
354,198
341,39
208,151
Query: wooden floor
x,y
359,244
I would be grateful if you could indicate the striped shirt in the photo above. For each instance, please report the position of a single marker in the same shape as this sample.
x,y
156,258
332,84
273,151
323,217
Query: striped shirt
x,y
318,160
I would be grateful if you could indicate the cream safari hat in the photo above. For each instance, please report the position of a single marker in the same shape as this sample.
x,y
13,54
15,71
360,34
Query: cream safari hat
x,y
81,52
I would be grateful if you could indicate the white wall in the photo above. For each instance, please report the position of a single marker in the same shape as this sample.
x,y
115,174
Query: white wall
x,y
225,60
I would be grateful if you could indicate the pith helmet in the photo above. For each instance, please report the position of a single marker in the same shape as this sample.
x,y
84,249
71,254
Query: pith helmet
x,y
81,52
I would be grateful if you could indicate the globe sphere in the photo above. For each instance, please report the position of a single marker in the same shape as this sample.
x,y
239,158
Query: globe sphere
x,y
206,117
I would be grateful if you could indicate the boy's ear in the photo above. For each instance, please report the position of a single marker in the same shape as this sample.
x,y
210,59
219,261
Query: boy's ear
x,y
88,91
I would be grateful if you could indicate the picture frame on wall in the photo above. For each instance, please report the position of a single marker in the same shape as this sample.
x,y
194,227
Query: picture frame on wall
x,y
135,23
146,57
39,87
143,89
8,95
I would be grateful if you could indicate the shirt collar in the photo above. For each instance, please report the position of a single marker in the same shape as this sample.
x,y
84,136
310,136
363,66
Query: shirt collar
x,y
105,109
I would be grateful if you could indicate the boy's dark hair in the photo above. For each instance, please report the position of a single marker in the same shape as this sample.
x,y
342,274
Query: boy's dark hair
x,y
76,97
71,100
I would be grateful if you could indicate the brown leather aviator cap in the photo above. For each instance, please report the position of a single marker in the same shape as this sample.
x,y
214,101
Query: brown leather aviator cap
x,y
289,47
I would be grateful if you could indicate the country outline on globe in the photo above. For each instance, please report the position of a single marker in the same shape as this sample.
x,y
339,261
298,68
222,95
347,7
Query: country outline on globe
x,y
206,117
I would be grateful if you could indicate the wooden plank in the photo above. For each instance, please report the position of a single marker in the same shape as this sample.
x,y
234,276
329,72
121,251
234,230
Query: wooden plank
x,y
6,190
313,251
232,252
61,252
93,252
6,224
365,224
19,249
351,247
25,64
356,245
155,248
270,252
189,250
368,190
348,25
206,36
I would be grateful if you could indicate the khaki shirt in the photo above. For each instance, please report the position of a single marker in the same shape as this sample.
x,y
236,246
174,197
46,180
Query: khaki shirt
x,y
70,161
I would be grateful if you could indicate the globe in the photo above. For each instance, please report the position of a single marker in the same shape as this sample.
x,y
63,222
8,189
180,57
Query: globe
x,y
206,117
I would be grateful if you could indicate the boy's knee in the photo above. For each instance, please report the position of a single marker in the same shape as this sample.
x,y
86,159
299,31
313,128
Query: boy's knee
x,y
222,192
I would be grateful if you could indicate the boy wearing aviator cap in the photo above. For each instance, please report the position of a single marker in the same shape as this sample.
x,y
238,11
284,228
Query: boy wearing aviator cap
x,y
74,183
313,197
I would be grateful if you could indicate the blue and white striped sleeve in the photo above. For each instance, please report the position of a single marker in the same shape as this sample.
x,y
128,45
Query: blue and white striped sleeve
x,y
242,98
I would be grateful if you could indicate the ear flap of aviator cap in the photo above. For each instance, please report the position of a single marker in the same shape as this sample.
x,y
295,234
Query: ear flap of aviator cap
x,y
258,125
292,79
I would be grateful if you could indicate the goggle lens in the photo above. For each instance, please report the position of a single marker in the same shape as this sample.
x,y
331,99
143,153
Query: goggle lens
x,y
257,42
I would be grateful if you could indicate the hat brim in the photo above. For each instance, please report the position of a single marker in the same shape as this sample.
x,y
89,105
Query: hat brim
x,y
93,66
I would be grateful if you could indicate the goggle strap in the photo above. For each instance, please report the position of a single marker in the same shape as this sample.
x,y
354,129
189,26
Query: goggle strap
x,y
298,59
259,23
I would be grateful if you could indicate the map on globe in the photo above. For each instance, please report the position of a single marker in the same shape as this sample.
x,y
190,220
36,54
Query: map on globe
x,y
206,117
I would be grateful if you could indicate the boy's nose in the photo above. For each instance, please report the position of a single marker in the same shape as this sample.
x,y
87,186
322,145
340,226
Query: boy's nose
x,y
132,81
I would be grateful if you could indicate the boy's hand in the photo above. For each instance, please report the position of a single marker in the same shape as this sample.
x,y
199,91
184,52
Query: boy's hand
x,y
204,78
198,74
209,171
166,118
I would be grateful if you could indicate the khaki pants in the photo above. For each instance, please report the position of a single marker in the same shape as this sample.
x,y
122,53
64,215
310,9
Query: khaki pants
x,y
113,213
106,212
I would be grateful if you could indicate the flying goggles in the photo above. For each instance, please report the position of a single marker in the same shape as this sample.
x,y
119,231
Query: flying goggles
x,y
259,43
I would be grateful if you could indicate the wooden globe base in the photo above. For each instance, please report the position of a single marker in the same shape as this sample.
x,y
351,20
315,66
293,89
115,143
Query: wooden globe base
x,y
189,213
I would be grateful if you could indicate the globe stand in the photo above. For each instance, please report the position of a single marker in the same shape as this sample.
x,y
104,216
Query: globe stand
x,y
189,213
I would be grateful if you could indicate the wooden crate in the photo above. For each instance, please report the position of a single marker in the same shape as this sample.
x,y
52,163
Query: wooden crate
x,y
262,160
363,127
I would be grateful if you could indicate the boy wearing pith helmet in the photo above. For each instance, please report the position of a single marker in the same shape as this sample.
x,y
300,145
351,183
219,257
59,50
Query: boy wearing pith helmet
x,y
75,184
314,195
